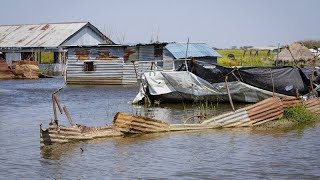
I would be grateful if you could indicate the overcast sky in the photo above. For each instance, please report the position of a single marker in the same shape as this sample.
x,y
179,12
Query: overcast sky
x,y
221,23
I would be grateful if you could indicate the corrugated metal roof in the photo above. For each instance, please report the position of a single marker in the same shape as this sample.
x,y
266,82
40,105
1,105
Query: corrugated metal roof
x,y
38,35
178,50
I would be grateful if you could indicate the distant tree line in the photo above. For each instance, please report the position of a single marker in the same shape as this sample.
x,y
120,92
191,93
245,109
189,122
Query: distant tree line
x,y
310,43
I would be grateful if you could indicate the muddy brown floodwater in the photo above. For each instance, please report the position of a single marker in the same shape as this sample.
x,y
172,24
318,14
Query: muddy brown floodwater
x,y
239,153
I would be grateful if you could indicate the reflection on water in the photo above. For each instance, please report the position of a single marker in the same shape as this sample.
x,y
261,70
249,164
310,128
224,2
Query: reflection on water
x,y
177,113
221,153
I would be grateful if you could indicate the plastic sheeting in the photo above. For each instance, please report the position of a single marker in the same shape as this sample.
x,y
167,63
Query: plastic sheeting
x,y
286,80
177,86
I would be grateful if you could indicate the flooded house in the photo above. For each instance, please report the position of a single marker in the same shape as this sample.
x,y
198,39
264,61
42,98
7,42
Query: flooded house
x,y
46,43
101,64
123,64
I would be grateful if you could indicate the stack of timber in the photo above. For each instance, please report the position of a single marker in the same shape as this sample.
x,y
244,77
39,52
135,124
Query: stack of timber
x,y
5,72
20,70
26,69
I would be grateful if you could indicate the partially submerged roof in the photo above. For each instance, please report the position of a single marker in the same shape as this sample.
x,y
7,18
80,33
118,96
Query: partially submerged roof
x,y
43,35
178,50
296,52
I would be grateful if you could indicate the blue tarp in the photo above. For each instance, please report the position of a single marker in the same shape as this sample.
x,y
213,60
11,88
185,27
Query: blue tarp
x,y
178,50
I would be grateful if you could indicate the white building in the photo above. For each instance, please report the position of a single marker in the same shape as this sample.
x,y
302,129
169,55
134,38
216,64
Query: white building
x,y
32,41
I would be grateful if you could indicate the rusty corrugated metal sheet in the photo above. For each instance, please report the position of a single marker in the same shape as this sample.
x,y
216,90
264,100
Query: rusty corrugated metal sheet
x,y
133,124
262,112
124,123
62,134
39,35
290,101
313,105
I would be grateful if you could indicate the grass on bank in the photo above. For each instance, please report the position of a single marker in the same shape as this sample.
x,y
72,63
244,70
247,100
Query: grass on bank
x,y
292,116
243,58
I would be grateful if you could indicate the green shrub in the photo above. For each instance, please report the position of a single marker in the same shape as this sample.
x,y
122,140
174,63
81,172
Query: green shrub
x,y
298,114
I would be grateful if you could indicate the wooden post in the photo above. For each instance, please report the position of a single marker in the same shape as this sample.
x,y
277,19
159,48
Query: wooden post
x,y
57,102
278,51
185,61
294,60
135,70
272,83
54,105
311,82
229,95
54,110
68,115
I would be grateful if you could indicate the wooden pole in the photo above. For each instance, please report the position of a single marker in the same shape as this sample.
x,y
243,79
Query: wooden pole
x,y
54,105
135,70
54,110
57,102
250,58
311,81
294,60
68,115
187,56
272,83
278,51
229,95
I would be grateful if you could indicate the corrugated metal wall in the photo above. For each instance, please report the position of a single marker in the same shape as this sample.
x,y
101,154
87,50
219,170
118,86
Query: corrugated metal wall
x,y
146,53
114,72
116,67
96,53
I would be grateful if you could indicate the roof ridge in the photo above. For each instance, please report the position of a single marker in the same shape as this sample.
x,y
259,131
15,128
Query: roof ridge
x,y
71,22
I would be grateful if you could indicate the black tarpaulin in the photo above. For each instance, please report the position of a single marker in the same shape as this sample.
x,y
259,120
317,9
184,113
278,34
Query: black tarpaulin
x,y
287,80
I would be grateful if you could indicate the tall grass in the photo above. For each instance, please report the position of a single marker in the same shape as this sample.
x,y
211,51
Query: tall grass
x,y
241,59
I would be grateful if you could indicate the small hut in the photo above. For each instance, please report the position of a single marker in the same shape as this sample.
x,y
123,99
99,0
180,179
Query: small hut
x,y
296,53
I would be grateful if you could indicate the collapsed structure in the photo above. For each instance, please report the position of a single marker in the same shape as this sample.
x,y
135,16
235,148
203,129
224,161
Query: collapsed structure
x,y
123,124
210,82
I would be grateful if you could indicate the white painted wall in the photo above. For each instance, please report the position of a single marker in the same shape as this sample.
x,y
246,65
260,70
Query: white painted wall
x,y
84,37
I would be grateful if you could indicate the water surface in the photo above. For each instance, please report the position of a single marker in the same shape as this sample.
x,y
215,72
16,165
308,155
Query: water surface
x,y
240,153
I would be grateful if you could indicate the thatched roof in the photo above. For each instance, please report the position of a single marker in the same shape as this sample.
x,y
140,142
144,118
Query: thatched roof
x,y
298,52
